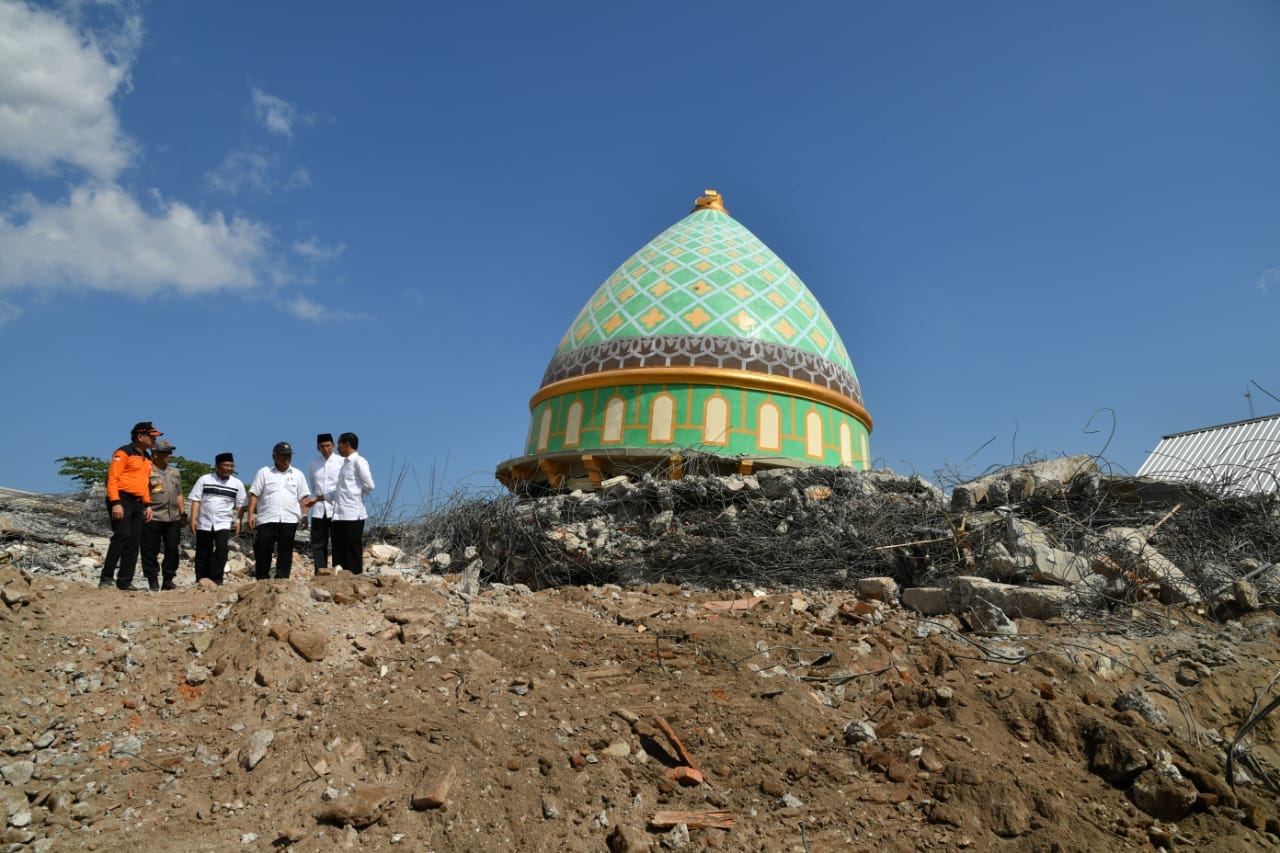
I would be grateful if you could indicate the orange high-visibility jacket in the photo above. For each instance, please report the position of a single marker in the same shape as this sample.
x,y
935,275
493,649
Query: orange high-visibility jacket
x,y
129,471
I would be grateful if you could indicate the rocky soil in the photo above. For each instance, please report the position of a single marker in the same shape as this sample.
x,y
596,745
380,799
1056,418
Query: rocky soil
x,y
409,709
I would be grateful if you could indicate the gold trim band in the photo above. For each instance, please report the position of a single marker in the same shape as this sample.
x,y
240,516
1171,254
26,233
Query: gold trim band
x,y
714,376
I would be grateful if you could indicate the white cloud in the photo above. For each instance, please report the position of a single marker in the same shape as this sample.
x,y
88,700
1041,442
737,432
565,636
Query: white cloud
x,y
304,309
101,238
56,90
1269,279
253,171
316,252
61,71
276,114
243,170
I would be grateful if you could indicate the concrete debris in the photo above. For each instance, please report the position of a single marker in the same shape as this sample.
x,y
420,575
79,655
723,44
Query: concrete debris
x,y
1023,482
255,749
363,805
1031,552
927,601
859,731
878,589
989,619
1137,700
1128,551
1245,594
381,554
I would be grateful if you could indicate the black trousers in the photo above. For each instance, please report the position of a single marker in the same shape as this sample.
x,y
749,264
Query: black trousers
x,y
320,541
155,535
211,554
126,538
275,537
348,545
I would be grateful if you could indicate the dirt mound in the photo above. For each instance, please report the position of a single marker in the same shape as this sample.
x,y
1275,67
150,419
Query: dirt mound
x,y
375,712
1095,646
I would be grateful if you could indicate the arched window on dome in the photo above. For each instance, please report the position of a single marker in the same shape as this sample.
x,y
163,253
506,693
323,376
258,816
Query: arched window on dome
x,y
662,419
769,427
715,421
544,429
573,426
813,435
866,453
614,412
846,444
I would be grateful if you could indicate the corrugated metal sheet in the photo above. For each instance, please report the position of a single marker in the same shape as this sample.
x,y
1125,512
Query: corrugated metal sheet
x,y
1242,458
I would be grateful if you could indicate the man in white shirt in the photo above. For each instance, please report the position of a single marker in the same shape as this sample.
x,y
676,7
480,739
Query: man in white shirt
x,y
324,477
277,501
347,497
215,502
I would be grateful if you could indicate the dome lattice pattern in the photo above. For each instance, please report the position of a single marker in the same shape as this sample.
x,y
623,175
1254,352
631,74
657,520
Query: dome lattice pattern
x,y
708,276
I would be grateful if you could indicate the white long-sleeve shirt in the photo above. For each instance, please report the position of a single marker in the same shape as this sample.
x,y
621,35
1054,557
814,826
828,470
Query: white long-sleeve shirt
x,y
324,478
355,480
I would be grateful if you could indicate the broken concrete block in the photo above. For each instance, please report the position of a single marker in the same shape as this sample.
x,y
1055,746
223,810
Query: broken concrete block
x,y
471,577
382,554
1041,479
1031,602
988,618
926,600
256,748
1246,596
1053,565
1001,562
878,589
1128,549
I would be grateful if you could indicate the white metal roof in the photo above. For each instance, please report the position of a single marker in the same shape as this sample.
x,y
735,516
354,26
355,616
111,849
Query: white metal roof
x,y
1241,457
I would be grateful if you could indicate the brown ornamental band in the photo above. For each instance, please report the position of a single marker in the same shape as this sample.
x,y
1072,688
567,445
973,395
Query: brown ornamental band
x,y
709,352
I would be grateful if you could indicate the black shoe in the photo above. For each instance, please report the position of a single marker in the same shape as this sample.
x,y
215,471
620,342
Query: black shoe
x,y
130,588
106,583
153,584
168,585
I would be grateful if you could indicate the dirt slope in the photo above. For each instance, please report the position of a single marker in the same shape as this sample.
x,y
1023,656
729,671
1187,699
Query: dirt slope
x,y
140,721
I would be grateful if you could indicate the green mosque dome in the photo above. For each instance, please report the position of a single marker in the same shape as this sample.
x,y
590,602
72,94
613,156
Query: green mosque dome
x,y
704,344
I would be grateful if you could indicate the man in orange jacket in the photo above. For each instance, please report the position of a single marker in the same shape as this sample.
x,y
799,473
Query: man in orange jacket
x,y
129,500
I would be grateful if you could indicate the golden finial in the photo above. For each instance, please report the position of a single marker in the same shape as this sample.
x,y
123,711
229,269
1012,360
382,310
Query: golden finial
x,y
710,200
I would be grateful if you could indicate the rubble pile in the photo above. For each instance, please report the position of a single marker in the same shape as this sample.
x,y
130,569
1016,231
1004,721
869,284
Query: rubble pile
x,y
1072,539
1049,659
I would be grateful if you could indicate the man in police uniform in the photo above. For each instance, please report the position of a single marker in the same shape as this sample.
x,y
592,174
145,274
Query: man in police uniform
x,y
165,527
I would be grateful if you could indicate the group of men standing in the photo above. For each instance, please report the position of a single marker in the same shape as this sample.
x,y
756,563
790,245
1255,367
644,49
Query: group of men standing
x,y
144,496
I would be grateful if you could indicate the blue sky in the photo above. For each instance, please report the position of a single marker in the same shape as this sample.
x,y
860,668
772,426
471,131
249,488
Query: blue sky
x,y
251,222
